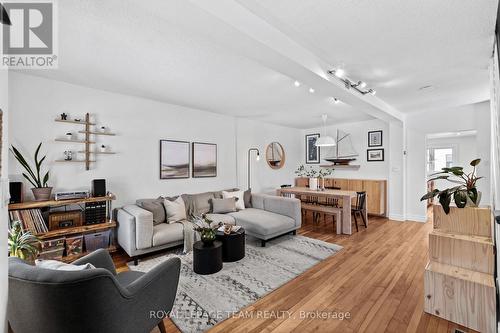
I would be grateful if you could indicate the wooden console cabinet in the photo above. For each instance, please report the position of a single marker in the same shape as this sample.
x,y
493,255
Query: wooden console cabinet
x,y
376,191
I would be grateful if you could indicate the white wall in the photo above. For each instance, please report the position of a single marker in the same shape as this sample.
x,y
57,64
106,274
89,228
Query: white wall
x,y
257,134
359,137
139,124
396,187
419,124
4,98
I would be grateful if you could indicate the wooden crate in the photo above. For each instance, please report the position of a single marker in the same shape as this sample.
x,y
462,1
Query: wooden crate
x,y
462,296
475,221
465,251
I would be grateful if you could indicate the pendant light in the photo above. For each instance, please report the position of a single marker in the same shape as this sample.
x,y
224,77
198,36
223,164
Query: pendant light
x,y
325,140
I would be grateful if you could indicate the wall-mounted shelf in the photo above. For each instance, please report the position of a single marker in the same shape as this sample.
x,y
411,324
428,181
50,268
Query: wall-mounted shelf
x,y
97,133
99,152
341,167
72,161
87,141
74,122
74,141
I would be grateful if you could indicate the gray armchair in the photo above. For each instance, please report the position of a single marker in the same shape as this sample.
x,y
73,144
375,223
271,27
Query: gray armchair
x,y
92,300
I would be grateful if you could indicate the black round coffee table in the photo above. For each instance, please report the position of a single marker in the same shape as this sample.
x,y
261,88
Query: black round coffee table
x,y
207,259
233,245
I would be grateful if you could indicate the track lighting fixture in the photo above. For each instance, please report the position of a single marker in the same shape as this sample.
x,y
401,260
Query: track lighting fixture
x,y
359,86
311,90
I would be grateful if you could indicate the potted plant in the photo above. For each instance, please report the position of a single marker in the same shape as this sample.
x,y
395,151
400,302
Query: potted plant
x,y
322,174
464,194
22,244
40,189
207,229
310,173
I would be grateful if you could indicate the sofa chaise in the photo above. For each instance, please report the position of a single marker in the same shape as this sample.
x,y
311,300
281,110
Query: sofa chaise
x,y
142,228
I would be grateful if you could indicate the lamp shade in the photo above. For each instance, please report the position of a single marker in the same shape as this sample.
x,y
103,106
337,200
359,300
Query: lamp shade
x,y
325,141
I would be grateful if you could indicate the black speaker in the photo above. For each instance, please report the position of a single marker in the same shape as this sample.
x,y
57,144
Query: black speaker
x,y
16,192
98,187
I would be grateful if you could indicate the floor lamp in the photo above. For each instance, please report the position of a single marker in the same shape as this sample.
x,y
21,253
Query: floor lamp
x,y
248,160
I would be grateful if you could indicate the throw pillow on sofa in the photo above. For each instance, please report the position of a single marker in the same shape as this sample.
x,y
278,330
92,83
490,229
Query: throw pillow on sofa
x,y
176,210
223,206
155,206
240,203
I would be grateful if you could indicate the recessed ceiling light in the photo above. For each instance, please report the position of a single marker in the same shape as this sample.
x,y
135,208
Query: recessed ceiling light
x,y
339,72
336,100
296,83
311,90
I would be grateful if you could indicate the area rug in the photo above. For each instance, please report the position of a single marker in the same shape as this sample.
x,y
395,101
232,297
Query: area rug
x,y
204,300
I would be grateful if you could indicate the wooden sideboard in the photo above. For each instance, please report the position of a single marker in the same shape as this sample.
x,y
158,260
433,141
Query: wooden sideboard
x,y
376,191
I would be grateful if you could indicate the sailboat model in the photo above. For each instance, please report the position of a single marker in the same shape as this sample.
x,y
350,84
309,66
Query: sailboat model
x,y
344,150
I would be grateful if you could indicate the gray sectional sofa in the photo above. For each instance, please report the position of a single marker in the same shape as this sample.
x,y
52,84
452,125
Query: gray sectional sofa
x,y
142,228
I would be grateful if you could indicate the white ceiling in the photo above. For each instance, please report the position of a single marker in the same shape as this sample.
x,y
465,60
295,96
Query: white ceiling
x,y
176,51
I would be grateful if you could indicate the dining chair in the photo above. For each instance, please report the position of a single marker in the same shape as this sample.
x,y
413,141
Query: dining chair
x,y
360,208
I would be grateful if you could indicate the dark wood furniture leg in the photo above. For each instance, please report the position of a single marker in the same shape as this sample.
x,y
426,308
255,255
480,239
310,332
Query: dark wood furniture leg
x,y
161,326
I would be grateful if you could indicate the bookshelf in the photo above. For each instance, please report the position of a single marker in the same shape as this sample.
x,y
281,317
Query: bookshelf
x,y
87,142
74,231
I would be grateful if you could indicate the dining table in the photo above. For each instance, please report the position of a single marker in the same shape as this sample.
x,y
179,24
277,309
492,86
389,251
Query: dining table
x,y
344,196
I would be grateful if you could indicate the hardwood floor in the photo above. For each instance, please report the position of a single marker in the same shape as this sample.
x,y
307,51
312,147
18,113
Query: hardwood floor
x,y
377,278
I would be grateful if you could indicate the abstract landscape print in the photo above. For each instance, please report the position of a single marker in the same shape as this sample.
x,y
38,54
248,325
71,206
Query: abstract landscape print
x,y
174,159
204,160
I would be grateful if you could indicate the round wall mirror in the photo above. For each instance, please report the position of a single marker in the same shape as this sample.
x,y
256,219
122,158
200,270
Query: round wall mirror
x,y
275,155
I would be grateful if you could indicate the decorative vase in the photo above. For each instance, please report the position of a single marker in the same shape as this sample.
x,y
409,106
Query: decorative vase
x,y
103,149
207,236
42,193
313,183
69,136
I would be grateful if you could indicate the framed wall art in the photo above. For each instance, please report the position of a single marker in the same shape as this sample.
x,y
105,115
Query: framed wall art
x,y
312,152
204,160
375,139
174,159
375,155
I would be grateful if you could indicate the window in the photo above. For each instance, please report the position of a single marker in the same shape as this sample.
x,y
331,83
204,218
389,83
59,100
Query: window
x,y
438,158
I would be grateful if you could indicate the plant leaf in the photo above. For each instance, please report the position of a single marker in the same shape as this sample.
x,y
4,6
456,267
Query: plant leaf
x,y
45,179
475,162
29,179
20,158
439,177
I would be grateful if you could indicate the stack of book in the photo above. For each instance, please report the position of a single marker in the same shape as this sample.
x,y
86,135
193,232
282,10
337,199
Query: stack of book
x,y
31,219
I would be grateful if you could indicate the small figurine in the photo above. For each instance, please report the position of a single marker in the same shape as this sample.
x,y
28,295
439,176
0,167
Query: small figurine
x,y
64,116
103,129
103,148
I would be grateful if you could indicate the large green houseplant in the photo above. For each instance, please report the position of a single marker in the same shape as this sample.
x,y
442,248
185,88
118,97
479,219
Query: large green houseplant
x,y
40,189
22,243
464,194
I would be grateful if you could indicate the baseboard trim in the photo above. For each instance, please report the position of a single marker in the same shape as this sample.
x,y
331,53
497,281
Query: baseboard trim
x,y
416,218
397,217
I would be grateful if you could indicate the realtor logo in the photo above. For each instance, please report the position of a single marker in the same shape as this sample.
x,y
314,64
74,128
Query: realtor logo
x,y
30,41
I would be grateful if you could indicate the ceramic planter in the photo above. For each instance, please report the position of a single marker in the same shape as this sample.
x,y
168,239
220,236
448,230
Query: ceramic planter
x,y
42,193
313,183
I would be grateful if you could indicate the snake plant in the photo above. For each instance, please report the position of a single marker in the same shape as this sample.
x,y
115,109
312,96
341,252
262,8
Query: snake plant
x,y
33,176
